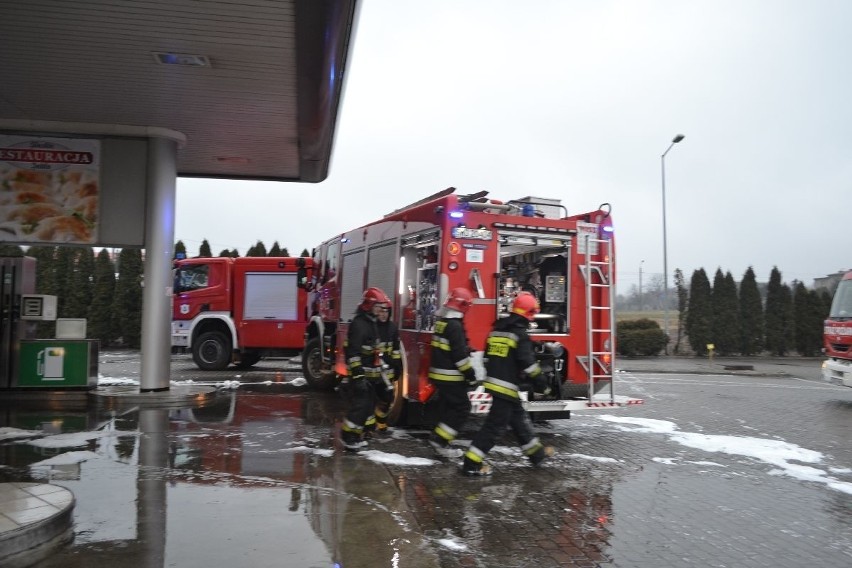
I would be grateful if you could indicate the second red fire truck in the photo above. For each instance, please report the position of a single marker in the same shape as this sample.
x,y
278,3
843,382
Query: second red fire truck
x,y
228,310
494,248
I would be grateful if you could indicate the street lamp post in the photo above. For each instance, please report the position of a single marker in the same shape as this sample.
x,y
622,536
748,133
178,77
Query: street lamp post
x,y
641,302
675,140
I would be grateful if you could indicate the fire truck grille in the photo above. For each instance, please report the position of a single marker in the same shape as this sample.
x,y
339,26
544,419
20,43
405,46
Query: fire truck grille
x,y
839,347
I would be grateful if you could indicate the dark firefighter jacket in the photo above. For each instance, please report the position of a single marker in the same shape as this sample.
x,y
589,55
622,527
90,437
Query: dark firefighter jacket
x,y
388,347
450,360
362,340
510,357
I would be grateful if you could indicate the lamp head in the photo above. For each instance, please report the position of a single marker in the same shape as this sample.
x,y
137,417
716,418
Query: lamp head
x,y
677,138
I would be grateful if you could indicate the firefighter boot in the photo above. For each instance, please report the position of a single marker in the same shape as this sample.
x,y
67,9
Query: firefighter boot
x,y
370,427
353,443
473,464
476,470
442,447
542,454
352,437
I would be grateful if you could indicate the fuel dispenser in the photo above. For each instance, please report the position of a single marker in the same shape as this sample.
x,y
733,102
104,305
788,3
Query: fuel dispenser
x,y
25,362
17,277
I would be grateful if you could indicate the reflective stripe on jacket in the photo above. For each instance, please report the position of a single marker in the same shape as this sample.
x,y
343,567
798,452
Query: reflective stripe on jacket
x,y
450,357
509,357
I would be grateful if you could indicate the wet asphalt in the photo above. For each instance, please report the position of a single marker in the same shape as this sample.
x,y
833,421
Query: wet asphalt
x,y
257,477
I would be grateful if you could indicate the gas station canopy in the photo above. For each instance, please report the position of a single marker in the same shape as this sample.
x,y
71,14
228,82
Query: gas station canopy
x,y
254,85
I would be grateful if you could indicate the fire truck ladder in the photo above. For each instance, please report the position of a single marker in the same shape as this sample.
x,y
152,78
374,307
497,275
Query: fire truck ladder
x,y
599,274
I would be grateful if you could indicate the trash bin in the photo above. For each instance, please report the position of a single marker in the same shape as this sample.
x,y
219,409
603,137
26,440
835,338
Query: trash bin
x,y
58,363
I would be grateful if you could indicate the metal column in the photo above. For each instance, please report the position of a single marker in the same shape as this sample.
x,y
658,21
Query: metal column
x,y
159,251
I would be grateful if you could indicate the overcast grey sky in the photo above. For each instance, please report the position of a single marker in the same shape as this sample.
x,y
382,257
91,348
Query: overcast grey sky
x,y
577,100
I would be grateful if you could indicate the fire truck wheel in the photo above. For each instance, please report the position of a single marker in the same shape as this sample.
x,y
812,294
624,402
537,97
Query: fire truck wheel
x,y
212,351
312,366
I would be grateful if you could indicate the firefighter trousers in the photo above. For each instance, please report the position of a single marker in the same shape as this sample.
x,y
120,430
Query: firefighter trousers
x,y
504,413
361,406
384,398
453,410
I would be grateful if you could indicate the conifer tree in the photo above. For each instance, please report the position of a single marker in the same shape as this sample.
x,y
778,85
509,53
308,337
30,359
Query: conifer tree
x,y
801,305
275,250
778,315
682,303
180,250
699,315
726,316
235,253
204,250
825,298
751,315
127,311
63,274
45,282
285,252
224,252
809,317
81,283
817,314
100,324
11,250
305,253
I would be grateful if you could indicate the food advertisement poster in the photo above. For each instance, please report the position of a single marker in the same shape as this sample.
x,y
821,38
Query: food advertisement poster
x,y
49,190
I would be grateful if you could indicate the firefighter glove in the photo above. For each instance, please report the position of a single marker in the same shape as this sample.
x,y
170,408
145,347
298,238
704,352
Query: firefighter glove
x,y
470,377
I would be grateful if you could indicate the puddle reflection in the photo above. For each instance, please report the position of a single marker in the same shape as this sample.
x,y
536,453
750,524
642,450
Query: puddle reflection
x,y
251,479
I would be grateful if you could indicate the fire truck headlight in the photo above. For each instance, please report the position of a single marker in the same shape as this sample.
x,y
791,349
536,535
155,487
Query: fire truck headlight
x,y
456,214
453,265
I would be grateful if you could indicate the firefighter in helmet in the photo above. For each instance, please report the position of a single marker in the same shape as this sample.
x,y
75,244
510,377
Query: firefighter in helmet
x,y
510,361
364,364
390,360
451,371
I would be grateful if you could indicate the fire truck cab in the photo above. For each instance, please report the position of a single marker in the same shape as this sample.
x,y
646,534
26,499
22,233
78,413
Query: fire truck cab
x,y
837,335
419,253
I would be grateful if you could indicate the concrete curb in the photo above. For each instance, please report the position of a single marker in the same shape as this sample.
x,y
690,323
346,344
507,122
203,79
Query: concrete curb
x,y
36,519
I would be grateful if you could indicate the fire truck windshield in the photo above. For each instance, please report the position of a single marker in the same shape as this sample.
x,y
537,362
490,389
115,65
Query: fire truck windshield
x,y
192,277
841,306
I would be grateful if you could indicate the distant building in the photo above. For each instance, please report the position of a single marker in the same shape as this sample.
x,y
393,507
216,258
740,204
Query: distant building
x,y
829,282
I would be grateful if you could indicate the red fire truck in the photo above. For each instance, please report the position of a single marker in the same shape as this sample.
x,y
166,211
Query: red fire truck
x,y
837,335
228,310
417,254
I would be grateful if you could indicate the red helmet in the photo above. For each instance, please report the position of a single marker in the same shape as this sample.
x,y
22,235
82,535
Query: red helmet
x,y
373,296
526,305
459,299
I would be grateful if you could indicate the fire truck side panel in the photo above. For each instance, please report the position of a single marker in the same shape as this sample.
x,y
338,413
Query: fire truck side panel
x,y
268,315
